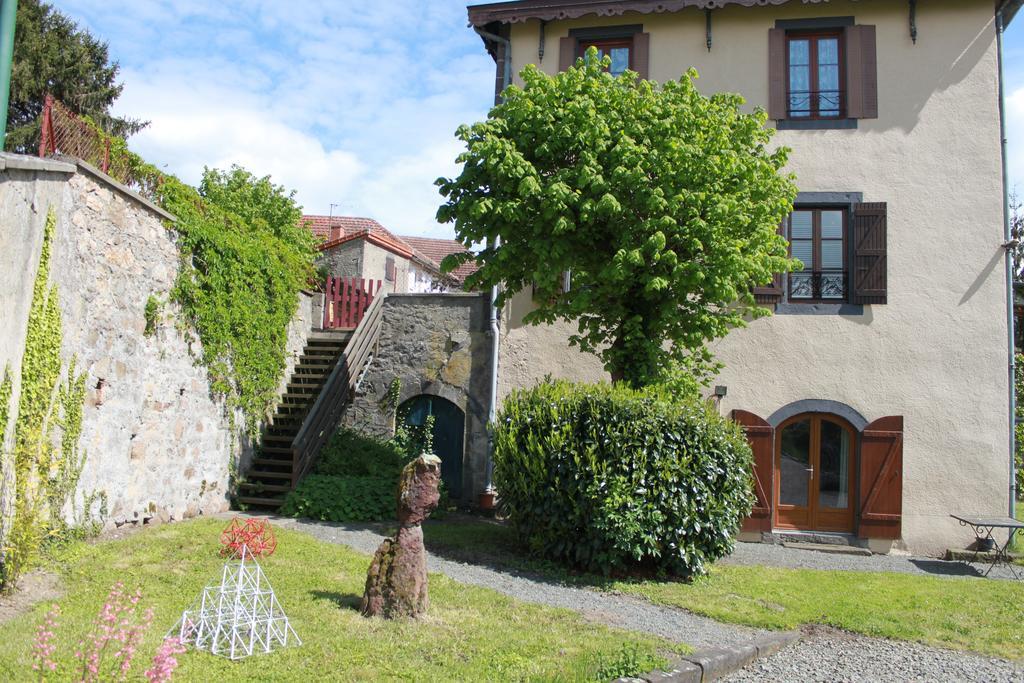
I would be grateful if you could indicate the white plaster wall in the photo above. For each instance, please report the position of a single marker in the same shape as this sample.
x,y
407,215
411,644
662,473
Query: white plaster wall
x,y
937,352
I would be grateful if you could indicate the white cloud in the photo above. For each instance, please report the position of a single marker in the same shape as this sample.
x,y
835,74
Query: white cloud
x,y
349,104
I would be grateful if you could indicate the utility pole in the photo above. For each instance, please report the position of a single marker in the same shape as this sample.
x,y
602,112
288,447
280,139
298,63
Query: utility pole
x,y
8,15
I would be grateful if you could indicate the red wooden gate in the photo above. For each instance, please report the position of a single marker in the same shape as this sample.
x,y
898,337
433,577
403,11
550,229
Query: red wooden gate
x,y
346,300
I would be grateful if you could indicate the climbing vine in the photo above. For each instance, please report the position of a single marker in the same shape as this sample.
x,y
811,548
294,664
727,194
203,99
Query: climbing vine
x,y
244,259
46,470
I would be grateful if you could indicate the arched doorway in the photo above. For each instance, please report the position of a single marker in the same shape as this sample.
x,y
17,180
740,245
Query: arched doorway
x,y
449,428
815,457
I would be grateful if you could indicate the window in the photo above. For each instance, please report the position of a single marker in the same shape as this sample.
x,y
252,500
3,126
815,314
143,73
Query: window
x,y
627,46
620,50
815,66
822,73
817,237
389,269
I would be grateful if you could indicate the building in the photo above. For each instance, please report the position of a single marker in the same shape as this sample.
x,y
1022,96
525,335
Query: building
x,y
877,397
363,248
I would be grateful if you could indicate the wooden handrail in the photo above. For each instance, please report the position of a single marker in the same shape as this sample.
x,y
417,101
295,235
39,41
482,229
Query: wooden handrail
x,y
323,417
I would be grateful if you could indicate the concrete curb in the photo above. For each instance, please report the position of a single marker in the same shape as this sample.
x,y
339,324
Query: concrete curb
x,y
715,663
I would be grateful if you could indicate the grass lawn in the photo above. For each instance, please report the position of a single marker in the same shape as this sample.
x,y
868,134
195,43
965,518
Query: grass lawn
x,y
960,613
470,633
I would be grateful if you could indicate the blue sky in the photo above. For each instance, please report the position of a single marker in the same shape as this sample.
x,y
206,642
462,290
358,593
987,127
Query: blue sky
x,y
349,103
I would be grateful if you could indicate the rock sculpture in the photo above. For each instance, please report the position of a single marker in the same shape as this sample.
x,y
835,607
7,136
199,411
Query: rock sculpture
x,y
396,584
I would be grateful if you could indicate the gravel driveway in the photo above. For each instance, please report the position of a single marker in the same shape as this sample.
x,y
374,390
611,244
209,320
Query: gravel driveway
x,y
826,655
766,554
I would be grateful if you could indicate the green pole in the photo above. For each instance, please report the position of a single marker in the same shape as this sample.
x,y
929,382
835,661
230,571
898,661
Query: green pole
x,y
8,15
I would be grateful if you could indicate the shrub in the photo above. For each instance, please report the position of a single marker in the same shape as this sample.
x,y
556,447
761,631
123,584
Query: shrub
x,y
610,479
343,499
350,453
356,477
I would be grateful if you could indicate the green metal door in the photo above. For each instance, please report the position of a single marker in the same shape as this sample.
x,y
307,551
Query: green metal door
x,y
449,428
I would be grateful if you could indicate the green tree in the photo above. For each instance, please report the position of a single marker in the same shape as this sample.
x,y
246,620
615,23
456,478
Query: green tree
x,y
663,204
52,54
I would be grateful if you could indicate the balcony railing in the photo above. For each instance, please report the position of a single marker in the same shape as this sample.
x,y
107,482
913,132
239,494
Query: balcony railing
x,y
817,285
816,104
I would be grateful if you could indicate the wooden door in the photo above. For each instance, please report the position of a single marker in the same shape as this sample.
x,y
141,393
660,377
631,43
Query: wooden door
x,y
814,473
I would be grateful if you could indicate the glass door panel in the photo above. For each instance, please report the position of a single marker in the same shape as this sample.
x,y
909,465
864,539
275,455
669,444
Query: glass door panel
x,y
795,463
834,468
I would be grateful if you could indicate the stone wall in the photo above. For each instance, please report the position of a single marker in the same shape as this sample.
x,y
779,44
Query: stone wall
x,y
435,344
157,444
343,260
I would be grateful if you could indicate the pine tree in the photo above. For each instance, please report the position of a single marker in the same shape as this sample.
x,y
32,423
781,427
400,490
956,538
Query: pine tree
x,y
52,54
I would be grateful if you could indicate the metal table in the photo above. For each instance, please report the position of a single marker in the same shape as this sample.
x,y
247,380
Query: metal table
x,y
983,528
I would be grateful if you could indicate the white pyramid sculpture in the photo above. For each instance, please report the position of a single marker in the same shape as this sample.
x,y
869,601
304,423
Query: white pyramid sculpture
x,y
237,618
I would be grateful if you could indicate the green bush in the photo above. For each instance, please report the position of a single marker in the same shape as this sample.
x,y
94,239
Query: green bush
x,y
350,453
343,499
610,479
356,478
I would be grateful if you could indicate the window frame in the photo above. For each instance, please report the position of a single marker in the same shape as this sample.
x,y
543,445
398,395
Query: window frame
x,y
816,239
605,44
813,36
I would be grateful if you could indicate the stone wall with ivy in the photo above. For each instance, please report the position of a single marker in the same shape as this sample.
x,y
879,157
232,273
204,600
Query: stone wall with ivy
x,y
158,443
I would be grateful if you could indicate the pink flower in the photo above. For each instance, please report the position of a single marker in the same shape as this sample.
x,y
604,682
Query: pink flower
x,y
164,662
43,647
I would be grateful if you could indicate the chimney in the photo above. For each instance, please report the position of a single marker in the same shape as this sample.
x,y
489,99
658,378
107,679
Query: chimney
x,y
336,231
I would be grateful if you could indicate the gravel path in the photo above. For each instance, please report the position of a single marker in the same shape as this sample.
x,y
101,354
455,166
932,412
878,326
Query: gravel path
x,y
766,554
829,655
615,610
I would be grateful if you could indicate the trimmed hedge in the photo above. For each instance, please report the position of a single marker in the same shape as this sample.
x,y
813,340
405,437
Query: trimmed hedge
x,y
343,499
610,479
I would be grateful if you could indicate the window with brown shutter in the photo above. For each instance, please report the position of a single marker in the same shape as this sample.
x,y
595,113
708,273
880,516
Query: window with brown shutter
x,y
389,269
627,46
822,73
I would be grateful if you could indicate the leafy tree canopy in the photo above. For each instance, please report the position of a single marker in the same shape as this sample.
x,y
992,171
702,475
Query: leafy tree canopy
x,y
52,54
663,204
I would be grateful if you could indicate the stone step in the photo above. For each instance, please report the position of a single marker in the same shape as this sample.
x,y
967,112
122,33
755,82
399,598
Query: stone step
x,y
276,449
278,438
271,462
340,337
267,474
833,548
259,487
261,501
817,537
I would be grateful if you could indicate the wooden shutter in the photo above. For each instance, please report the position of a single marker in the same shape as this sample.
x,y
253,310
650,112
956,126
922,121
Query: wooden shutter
x,y
769,295
777,73
881,479
566,52
861,73
869,277
762,441
641,54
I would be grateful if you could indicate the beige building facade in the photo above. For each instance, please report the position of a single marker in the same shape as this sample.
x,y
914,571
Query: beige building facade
x,y
877,396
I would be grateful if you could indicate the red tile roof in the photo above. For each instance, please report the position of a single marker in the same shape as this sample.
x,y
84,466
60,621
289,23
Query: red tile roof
x,y
436,249
337,230
340,229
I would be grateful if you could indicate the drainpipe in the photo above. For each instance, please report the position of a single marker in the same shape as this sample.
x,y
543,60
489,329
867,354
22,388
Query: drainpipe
x,y
487,498
8,15
1000,27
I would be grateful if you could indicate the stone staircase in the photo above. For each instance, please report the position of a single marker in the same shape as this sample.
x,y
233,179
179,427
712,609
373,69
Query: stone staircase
x,y
271,474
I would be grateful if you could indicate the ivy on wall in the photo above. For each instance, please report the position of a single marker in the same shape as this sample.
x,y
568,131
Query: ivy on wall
x,y
46,470
244,259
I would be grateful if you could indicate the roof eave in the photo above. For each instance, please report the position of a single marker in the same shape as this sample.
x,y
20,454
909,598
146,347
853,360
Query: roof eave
x,y
549,10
